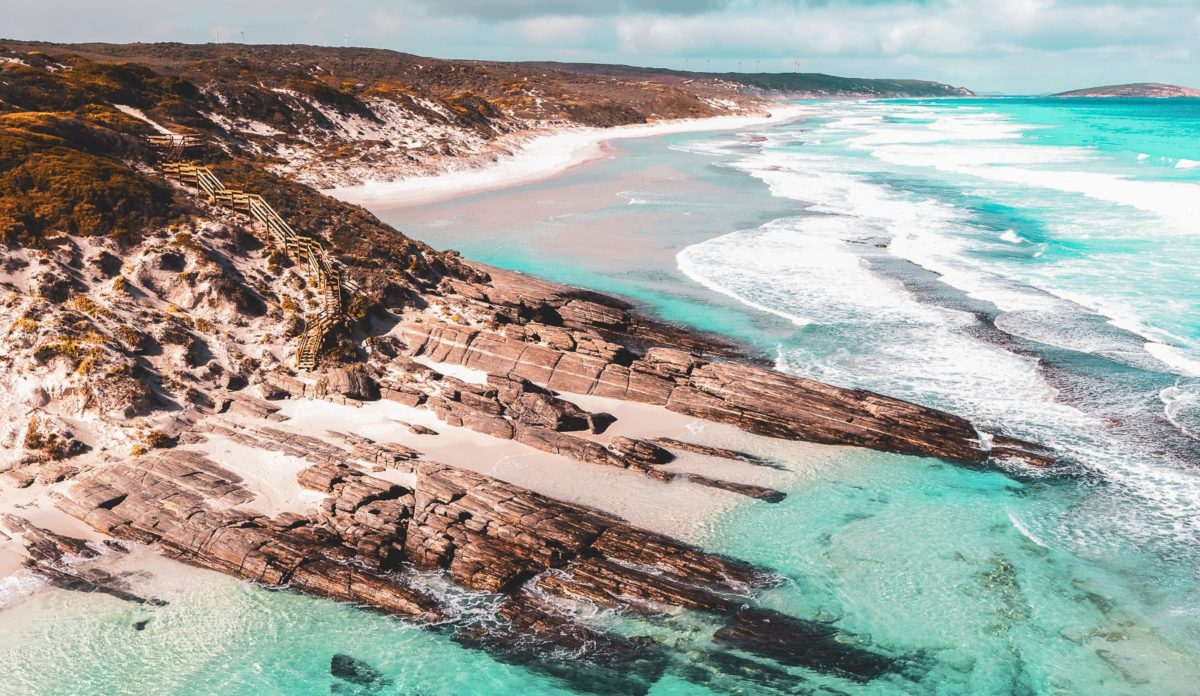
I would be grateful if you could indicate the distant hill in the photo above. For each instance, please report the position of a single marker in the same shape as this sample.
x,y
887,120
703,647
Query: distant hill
x,y
338,116
812,85
1136,89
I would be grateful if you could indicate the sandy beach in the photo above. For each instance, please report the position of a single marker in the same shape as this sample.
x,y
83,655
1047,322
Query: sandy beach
x,y
537,156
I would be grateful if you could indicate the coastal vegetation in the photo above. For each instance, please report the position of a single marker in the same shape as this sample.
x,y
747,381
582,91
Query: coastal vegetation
x,y
61,174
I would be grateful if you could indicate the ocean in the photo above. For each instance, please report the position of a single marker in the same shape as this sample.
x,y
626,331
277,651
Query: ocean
x,y
1028,263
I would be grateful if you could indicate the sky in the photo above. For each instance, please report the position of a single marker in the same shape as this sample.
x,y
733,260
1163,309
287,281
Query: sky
x,y
1009,46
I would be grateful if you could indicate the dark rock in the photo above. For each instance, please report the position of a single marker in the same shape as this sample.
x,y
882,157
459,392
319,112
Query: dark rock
x,y
599,422
22,477
486,534
347,383
234,381
568,446
778,405
358,673
808,644
643,451
536,634
106,263
163,500
62,561
709,451
276,385
523,401
676,369
251,406
171,261
54,472
769,495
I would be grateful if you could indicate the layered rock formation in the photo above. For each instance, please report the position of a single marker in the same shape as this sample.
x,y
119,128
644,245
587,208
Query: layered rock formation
x,y
66,562
588,344
484,534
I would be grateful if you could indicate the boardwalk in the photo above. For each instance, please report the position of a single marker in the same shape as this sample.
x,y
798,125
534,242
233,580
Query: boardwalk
x,y
302,249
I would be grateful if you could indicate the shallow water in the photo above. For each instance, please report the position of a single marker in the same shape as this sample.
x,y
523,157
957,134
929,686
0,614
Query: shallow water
x,y
814,243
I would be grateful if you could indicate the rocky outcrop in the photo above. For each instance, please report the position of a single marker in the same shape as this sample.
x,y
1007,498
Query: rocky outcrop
x,y
513,408
755,399
709,451
353,676
350,384
1134,90
642,451
68,563
791,641
490,534
484,534
187,505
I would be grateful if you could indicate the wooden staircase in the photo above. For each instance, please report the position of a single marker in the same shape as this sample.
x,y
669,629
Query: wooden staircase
x,y
302,249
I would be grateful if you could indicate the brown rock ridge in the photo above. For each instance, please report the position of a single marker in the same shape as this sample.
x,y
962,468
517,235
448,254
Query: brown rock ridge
x,y
755,399
513,408
484,534
63,561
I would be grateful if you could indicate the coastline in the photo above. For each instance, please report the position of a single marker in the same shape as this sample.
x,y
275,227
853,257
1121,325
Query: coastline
x,y
270,475
538,155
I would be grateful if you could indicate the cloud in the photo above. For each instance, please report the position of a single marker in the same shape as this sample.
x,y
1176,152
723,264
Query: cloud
x,y
558,30
1011,45
520,9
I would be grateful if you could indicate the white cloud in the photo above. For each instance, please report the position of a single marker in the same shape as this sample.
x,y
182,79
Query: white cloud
x,y
558,30
1014,45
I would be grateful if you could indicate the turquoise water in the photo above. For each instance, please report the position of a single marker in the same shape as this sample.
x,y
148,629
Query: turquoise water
x,y
1026,262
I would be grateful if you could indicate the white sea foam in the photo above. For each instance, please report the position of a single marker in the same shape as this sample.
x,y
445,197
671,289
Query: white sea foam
x,y
803,268
1174,357
977,155
1175,202
1024,530
17,587
949,128
1181,406
1186,164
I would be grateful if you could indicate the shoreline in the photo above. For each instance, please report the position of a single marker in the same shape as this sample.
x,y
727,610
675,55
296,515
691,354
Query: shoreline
x,y
538,155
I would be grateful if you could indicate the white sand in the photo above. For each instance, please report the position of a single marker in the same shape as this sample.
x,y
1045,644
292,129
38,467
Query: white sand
x,y
678,508
536,158
467,374
271,476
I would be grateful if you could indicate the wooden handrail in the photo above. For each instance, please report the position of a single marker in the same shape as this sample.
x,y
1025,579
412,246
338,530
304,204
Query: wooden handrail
x,y
300,248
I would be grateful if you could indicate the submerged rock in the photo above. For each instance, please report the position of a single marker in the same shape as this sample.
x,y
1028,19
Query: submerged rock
x,y
357,676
